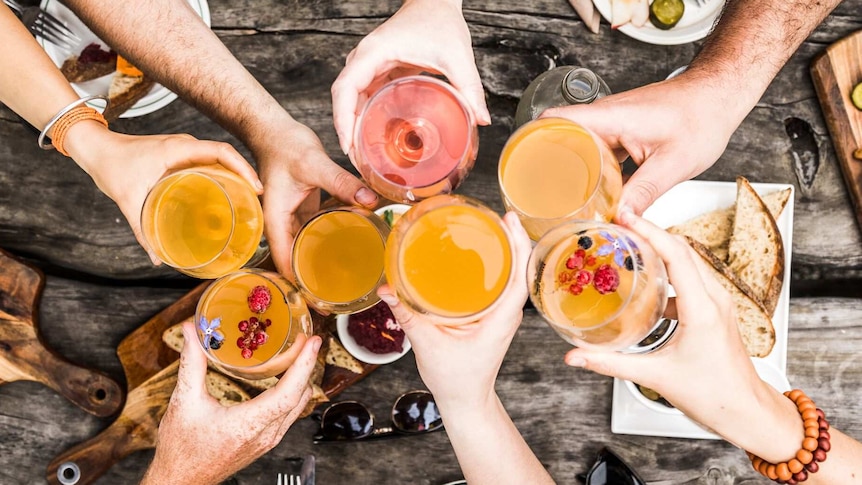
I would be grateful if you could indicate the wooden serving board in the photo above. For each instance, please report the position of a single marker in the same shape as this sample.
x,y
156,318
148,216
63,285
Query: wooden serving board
x,y
835,72
151,372
23,355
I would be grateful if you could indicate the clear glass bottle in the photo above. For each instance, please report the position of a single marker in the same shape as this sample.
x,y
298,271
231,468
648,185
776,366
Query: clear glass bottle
x,y
561,86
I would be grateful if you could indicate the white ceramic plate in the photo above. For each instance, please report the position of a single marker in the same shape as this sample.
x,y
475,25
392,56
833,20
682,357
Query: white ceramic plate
x,y
361,352
694,25
629,414
158,97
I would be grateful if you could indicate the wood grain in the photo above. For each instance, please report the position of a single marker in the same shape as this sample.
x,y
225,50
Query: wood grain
x,y
23,356
835,73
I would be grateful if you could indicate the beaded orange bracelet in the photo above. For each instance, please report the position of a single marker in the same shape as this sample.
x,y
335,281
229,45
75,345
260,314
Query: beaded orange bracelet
x,y
63,114
61,127
814,446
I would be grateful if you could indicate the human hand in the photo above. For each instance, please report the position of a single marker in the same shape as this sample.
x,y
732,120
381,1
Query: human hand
x,y
200,441
422,36
674,130
126,167
460,364
293,172
704,369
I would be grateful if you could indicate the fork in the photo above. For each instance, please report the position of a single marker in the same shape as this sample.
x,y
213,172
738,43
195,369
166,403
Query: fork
x,y
289,479
42,24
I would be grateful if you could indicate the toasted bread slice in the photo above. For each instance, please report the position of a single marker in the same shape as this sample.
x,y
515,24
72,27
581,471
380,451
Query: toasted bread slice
x,y
755,324
340,357
756,251
124,92
226,392
714,229
92,63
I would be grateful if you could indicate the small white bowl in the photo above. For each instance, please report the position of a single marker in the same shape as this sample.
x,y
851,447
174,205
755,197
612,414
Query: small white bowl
x,y
395,208
361,352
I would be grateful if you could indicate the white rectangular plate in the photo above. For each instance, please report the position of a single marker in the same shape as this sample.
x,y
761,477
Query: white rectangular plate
x,y
681,203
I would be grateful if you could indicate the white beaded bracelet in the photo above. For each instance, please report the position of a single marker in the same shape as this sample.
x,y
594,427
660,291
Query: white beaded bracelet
x,y
70,107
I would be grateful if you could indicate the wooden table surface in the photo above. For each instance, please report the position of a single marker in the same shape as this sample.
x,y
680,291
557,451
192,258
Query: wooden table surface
x,y
101,286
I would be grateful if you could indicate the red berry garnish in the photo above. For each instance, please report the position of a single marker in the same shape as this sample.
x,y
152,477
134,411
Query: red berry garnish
x,y
252,320
259,299
576,289
246,353
570,263
240,342
267,323
584,277
606,280
580,253
260,338
591,260
243,326
253,346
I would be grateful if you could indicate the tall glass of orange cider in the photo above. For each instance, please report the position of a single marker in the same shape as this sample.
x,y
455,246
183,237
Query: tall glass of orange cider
x,y
205,221
450,257
553,170
600,285
338,259
247,320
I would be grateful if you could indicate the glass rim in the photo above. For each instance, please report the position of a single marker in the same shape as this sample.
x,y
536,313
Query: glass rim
x,y
455,199
595,225
204,302
534,125
194,171
358,139
360,211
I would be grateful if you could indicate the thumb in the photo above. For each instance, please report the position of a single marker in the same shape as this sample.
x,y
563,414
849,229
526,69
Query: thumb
x,y
466,80
193,363
629,367
654,177
342,185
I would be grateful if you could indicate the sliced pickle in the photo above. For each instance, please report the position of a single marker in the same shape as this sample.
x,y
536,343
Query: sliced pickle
x,y
665,14
653,396
856,96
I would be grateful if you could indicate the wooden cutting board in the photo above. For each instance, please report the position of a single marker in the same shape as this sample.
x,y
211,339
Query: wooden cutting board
x,y
835,72
151,372
23,356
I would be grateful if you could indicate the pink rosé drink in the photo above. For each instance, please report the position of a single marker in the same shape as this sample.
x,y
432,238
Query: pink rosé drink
x,y
415,139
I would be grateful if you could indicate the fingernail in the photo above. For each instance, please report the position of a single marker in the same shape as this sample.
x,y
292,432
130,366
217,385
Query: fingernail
x,y
366,197
576,361
344,147
258,186
389,299
156,261
316,344
626,215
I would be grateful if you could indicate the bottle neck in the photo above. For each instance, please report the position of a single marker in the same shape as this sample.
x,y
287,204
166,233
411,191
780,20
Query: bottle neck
x,y
580,86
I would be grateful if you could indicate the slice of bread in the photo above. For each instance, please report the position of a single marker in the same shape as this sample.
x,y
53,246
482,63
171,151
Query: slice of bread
x,y
124,92
754,323
226,392
92,63
715,228
340,357
756,251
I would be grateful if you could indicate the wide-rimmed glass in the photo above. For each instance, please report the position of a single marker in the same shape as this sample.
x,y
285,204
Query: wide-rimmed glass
x,y
205,221
246,320
554,170
414,139
450,257
338,259
600,285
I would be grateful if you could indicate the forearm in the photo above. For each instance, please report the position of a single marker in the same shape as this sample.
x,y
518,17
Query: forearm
x,y
750,44
30,84
189,59
489,447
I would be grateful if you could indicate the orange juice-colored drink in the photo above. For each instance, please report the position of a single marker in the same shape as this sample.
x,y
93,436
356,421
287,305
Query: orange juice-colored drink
x,y
338,259
247,318
595,285
552,170
450,257
205,221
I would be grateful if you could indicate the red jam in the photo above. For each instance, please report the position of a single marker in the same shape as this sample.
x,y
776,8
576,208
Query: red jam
x,y
93,53
376,329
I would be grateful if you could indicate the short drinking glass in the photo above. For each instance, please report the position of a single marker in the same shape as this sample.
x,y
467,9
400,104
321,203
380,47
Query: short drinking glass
x,y
600,285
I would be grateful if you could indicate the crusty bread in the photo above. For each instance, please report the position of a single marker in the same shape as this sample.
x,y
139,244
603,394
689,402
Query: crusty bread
x,y
226,392
755,251
340,357
715,228
124,92
753,321
93,62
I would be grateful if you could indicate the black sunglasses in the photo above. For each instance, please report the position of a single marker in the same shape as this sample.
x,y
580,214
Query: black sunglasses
x,y
414,412
610,469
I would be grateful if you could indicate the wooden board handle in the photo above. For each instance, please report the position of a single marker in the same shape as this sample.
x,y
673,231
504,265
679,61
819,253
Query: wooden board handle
x,y
135,429
91,391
